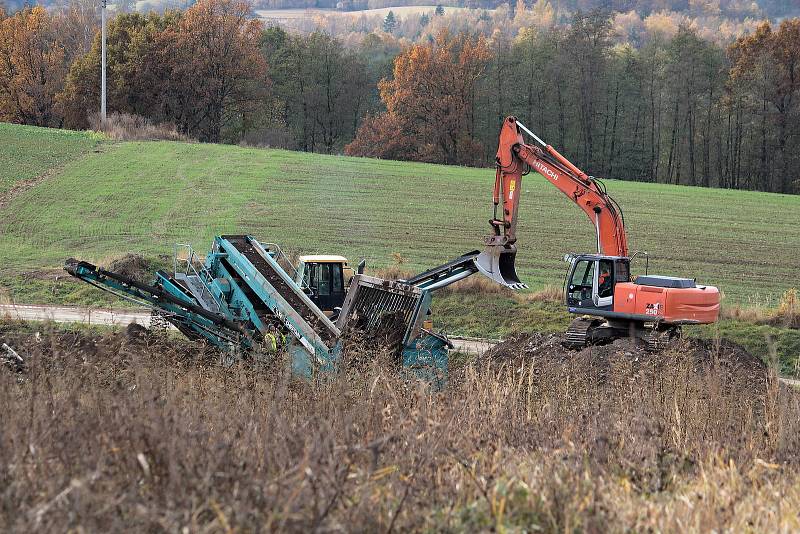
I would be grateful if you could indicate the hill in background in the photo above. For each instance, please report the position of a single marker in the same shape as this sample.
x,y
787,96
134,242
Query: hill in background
x,y
106,198
732,9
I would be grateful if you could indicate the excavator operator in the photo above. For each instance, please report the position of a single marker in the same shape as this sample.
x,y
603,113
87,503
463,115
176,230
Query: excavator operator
x,y
604,280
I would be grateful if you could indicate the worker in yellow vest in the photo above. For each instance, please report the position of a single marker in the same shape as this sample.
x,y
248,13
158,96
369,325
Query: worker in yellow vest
x,y
274,339
271,342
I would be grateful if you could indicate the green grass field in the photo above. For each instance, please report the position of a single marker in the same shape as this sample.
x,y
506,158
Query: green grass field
x,y
28,152
145,196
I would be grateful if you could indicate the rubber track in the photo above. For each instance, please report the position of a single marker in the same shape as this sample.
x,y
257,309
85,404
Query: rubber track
x,y
577,335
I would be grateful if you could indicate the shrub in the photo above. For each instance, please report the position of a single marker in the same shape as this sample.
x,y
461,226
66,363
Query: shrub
x,y
127,127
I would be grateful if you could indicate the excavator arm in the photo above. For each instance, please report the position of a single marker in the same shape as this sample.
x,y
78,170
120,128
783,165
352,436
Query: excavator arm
x,y
514,159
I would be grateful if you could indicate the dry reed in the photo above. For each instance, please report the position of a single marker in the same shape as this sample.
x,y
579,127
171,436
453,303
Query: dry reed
x,y
124,432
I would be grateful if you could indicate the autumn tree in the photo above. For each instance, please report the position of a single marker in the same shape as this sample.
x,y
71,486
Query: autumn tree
x,y
200,70
133,86
766,73
218,70
33,67
430,104
79,21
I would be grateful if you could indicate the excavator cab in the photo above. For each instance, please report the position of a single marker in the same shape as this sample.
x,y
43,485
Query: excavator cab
x,y
591,279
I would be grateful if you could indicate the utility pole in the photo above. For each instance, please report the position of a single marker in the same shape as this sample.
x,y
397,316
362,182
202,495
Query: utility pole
x,y
103,66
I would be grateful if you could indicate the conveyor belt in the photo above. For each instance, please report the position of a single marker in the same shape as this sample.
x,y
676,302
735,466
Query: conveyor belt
x,y
197,289
467,259
288,292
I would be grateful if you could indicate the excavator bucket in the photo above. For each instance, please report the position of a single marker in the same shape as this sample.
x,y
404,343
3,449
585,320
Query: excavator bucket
x,y
497,262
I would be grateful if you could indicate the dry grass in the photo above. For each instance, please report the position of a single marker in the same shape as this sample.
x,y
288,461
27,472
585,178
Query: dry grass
x,y
548,294
126,127
113,433
749,314
393,272
786,314
476,283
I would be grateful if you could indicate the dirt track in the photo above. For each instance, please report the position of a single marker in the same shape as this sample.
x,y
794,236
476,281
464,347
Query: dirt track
x,y
74,314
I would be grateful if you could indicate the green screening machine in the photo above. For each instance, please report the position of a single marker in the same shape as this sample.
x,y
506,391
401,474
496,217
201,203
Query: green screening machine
x,y
244,292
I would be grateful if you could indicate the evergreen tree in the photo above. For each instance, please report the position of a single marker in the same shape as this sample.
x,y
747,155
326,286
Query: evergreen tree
x,y
439,10
423,20
389,23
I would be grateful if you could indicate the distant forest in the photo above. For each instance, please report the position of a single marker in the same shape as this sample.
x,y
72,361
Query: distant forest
x,y
774,9
624,95
734,9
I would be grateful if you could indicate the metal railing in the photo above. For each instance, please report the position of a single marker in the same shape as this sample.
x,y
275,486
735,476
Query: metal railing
x,y
191,260
278,254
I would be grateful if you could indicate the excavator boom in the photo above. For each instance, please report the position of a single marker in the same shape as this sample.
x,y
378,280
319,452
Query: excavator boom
x,y
514,160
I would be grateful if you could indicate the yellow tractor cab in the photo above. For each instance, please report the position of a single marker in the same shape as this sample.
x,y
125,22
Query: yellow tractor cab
x,y
325,279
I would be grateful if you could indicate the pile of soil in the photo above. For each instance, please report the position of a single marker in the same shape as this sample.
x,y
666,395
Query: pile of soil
x,y
52,348
133,266
698,355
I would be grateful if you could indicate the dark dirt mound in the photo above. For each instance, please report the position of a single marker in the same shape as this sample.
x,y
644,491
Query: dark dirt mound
x,y
133,266
45,274
53,349
550,347
731,361
785,321
138,334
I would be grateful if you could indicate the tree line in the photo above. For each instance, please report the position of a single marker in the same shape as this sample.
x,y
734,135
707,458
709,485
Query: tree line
x,y
681,110
674,109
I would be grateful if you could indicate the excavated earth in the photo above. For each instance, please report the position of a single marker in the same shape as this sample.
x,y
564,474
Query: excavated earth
x,y
731,362
133,266
623,358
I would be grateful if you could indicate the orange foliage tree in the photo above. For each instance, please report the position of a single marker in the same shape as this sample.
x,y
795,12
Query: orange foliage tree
x,y
766,72
219,72
430,105
33,66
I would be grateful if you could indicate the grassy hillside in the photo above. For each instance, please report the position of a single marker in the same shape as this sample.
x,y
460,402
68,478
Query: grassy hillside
x,y
27,152
145,196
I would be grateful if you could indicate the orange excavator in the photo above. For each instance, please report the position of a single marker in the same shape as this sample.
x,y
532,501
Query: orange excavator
x,y
598,287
